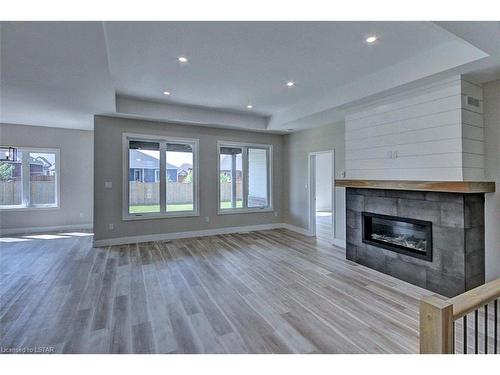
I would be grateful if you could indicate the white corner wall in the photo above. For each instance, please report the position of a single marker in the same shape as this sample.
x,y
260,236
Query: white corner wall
x,y
428,133
492,173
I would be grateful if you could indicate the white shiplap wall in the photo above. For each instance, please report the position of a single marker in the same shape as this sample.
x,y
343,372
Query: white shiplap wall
x,y
424,134
472,133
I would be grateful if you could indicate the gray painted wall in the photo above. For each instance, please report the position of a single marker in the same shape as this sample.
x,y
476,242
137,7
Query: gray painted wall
x,y
108,167
491,92
297,146
76,177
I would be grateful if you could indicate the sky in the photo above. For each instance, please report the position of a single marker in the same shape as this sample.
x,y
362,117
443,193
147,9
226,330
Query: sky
x,y
50,157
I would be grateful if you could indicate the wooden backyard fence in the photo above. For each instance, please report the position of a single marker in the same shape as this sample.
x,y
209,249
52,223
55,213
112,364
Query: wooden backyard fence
x,y
42,192
141,193
144,193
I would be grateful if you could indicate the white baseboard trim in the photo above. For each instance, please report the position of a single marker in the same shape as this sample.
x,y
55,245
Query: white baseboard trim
x,y
58,228
339,243
294,228
188,234
203,233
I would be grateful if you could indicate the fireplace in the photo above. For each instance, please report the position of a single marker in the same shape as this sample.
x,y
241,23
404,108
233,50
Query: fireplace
x,y
403,235
391,230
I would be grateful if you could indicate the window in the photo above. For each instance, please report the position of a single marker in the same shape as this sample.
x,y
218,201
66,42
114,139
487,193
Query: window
x,y
257,177
162,177
244,177
144,192
231,177
180,186
29,178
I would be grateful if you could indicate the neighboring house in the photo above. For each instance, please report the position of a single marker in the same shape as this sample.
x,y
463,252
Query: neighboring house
x,y
39,166
146,168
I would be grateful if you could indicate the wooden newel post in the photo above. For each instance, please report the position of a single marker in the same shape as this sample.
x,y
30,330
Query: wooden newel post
x,y
437,334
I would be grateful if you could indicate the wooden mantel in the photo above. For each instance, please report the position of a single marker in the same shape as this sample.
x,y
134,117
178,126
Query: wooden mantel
x,y
438,186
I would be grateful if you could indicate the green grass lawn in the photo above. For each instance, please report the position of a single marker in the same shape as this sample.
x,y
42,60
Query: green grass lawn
x,y
142,209
239,204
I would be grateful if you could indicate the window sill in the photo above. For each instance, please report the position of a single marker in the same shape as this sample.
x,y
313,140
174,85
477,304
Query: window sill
x,y
29,208
233,211
156,216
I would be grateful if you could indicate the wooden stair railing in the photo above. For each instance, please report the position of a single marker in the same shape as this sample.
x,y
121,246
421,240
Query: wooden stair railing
x,y
438,316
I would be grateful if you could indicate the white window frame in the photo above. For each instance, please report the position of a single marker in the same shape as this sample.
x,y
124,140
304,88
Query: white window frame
x,y
270,177
26,196
163,140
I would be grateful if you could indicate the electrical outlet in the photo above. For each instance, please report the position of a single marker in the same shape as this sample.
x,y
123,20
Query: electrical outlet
x,y
111,226
276,213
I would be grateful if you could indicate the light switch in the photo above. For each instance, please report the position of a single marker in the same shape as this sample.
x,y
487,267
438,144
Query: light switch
x,y
108,184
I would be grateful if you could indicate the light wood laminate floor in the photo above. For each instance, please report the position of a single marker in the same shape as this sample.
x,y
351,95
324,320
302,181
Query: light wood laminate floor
x,y
261,292
324,225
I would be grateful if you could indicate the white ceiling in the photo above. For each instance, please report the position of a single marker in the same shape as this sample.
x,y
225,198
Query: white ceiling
x,y
62,73
234,63
54,74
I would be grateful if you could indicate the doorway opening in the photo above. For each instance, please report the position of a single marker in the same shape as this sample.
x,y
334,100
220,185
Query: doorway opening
x,y
321,200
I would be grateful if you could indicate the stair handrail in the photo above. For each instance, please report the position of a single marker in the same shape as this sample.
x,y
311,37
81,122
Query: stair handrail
x,y
437,316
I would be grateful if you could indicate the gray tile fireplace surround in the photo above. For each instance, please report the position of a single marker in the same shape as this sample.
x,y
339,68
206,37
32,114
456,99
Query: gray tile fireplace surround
x,y
457,235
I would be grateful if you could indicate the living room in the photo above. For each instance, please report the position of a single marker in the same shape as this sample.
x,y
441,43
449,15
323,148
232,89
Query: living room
x,y
249,187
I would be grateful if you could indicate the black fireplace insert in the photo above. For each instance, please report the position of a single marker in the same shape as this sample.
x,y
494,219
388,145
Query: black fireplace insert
x,y
403,235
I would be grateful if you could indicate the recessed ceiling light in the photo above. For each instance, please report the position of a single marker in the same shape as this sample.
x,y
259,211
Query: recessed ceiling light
x,y
249,106
182,59
166,92
290,83
371,39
